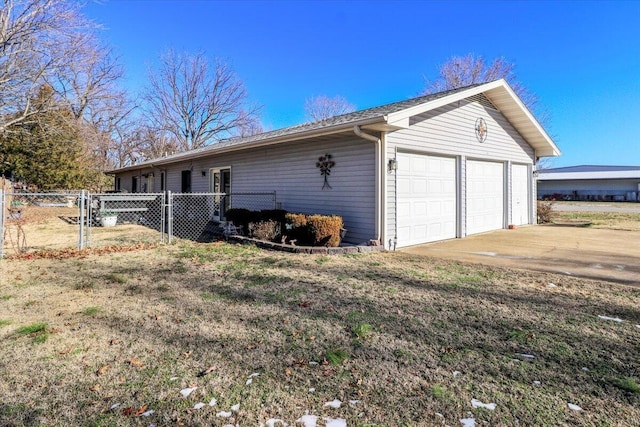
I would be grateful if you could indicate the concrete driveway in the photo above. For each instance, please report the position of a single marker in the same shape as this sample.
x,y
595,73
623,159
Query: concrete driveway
x,y
611,255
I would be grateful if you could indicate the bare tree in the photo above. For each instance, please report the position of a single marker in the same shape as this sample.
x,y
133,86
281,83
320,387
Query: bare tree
x,y
249,126
36,37
461,71
112,132
195,104
88,81
88,85
152,144
322,107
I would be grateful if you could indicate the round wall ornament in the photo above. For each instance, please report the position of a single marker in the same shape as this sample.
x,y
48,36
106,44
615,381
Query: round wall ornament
x,y
481,129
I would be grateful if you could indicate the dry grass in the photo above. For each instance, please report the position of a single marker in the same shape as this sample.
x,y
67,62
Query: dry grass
x,y
605,220
47,228
135,328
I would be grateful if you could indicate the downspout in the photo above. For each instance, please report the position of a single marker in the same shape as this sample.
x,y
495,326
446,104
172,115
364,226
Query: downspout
x,y
378,176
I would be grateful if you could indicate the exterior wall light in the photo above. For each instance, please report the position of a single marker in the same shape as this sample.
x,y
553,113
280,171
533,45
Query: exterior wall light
x,y
204,173
393,165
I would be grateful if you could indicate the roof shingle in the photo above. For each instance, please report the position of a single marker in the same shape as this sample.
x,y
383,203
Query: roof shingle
x,y
349,118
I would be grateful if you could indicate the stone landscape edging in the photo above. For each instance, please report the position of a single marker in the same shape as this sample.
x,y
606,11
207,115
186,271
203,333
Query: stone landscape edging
x,y
340,250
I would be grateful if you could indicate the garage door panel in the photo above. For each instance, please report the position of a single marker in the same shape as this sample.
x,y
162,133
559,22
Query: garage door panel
x,y
419,186
519,194
403,185
485,196
426,198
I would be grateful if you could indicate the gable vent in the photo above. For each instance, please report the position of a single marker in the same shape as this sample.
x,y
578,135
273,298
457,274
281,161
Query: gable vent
x,y
482,100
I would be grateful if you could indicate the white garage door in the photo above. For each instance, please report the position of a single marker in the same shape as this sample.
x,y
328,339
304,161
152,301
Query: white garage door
x,y
485,196
426,198
519,194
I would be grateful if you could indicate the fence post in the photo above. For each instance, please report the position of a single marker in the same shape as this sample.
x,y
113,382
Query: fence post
x,y
81,221
88,220
163,206
1,223
275,201
170,216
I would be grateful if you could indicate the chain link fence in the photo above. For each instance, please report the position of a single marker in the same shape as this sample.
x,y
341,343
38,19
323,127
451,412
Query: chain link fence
x,y
31,222
39,221
201,216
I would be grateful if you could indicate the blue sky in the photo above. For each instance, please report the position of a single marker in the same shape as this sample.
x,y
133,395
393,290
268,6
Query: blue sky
x,y
582,59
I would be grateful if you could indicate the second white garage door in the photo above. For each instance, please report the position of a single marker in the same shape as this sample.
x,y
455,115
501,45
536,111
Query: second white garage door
x,y
485,196
426,198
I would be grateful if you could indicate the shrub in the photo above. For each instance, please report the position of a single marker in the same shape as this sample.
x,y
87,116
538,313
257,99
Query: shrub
x,y
241,217
277,215
244,217
314,230
265,230
296,220
297,229
325,230
545,212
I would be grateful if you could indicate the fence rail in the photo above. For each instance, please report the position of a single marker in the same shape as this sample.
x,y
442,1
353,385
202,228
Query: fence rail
x,y
39,221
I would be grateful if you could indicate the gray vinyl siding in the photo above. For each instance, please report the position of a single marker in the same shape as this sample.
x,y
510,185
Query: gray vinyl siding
x,y
290,170
450,131
126,181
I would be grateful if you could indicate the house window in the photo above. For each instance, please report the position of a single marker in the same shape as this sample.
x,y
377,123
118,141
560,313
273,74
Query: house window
x,y
134,184
162,183
186,181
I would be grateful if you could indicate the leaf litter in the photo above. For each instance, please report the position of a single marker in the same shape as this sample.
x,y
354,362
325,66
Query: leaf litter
x,y
613,319
478,404
185,392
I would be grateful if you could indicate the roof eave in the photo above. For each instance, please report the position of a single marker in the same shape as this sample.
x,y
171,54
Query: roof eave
x,y
511,106
375,123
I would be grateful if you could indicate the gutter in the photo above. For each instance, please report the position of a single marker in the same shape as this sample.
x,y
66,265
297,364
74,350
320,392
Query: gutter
x,y
379,177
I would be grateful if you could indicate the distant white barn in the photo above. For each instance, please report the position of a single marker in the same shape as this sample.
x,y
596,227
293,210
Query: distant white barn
x,y
604,183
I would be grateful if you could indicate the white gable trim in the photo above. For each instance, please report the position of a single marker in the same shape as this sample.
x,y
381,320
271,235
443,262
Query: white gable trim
x,y
504,98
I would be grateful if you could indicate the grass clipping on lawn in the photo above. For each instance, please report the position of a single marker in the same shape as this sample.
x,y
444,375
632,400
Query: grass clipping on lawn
x,y
144,337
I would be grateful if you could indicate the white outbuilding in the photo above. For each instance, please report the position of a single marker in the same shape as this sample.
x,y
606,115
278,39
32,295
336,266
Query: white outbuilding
x,y
588,182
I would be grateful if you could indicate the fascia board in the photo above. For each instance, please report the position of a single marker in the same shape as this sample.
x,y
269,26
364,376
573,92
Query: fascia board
x,y
552,149
544,145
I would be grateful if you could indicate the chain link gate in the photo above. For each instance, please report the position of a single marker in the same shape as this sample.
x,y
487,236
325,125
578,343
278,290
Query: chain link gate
x,y
125,218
